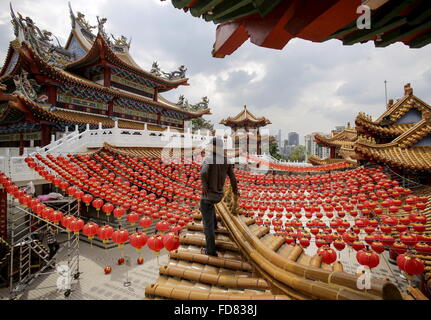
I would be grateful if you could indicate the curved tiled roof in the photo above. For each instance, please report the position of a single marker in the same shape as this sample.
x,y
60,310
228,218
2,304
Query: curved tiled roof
x,y
62,75
244,117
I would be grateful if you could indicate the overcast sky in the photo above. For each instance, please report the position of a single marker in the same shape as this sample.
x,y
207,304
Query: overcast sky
x,y
305,87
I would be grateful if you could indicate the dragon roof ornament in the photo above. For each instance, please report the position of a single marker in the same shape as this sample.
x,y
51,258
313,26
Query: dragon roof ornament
x,y
178,74
25,29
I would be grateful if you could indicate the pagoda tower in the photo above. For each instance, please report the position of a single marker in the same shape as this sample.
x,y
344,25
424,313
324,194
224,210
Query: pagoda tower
x,y
246,125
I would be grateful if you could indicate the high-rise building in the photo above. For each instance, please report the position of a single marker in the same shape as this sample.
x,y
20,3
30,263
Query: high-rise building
x,y
279,141
293,138
314,148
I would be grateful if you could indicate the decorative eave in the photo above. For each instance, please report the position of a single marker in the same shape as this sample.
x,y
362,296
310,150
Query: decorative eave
x,y
272,24
402,151
339,140
316,161
45,113
365,125
66,77
14,46
244,118
102,53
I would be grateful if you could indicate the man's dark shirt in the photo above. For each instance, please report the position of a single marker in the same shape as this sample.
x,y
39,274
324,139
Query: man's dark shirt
x,y
213,175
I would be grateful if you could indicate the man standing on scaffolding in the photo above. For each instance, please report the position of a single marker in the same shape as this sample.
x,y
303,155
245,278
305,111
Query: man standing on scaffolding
x,y
51,240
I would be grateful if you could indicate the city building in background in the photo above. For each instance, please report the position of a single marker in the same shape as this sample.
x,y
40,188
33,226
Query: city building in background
x,y
293,139
315,149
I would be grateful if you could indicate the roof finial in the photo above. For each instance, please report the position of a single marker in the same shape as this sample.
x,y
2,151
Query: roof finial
x,y
408,90
390,103
72,16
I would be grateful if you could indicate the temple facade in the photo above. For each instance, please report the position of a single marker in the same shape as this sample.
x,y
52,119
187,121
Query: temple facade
x,y
246,131
47,89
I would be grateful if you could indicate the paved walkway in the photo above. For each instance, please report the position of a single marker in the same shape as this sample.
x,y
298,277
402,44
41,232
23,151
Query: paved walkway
x,y
93,284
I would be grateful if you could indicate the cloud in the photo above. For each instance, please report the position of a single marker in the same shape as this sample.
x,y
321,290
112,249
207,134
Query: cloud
x,y
305,87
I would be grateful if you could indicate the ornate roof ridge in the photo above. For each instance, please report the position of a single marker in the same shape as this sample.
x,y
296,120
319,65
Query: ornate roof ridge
x,y
247,117
100,43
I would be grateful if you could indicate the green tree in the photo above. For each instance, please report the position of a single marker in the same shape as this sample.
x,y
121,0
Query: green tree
x,y
298,154
201,123
273,150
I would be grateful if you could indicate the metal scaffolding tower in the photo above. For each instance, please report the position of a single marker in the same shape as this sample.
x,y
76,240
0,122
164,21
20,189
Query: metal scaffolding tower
x,y
25,231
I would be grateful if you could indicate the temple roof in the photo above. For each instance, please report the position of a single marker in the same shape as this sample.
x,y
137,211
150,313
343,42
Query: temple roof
x,y
404,151
389,123
243,118
345,138
101,50
29,55
273,24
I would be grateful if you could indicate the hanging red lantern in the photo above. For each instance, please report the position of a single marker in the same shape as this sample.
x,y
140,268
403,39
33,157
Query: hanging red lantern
x,y
56,217
368,258
140,260
339,244
399,247
90,229
120,236
328,255
162,226
76,225
119,212
304,242
132,217
86,198
105,233
97,204
357,245
138,240
410,265
378,246
171,241
107,208
155,243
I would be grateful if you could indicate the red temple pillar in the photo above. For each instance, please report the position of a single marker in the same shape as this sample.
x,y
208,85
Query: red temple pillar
x,y
110,108
52,94
3,214
21,144
159,118
332,152
45,135
107,76
156,94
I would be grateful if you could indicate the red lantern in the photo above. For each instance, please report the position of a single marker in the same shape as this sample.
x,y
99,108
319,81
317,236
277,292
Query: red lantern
x,y
155,243
138,240
378,247
132,218
162,226
76,225
107,270
107,208
339,244
145,222
368,258
119,212
105,233
86,198
65,221
304,242
171,241
90,230
97,203
56,217
328,255
410,264
120,236
140,260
